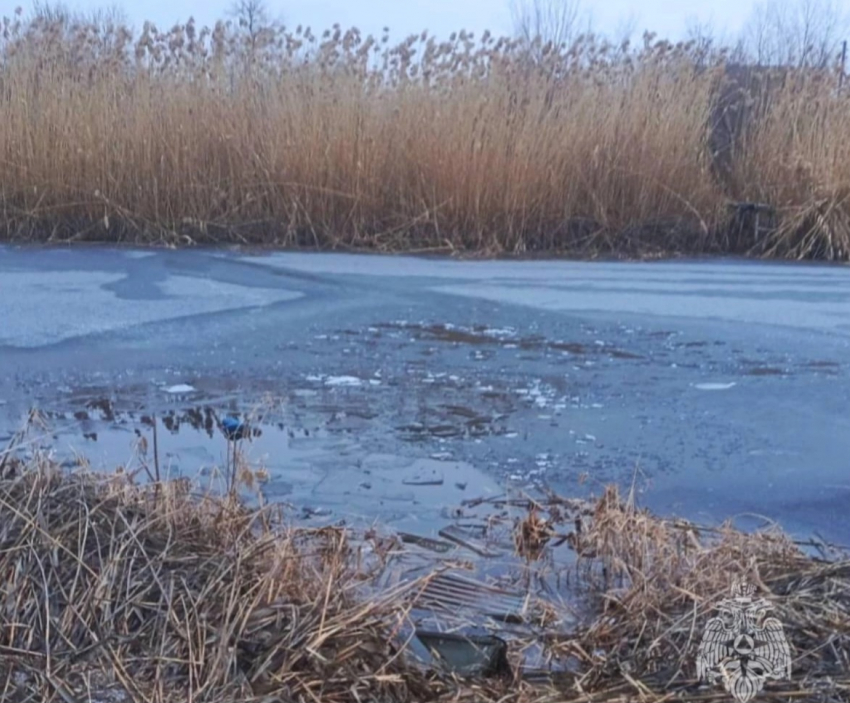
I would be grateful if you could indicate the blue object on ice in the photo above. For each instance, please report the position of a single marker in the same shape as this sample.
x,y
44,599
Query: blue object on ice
x,y
233,428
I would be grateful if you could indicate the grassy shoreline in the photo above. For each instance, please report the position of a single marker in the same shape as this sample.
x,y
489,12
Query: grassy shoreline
x,y
167,592
288,140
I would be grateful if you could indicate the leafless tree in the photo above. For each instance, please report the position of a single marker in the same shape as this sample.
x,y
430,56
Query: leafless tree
x,y
254,23
709,46
701,36
802,33
626,29
541,22
251,15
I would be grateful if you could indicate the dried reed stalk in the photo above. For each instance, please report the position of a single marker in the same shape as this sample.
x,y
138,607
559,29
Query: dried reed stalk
x,y
115,591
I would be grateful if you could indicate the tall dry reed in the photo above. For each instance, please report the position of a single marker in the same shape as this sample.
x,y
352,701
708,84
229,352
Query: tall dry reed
x,y
285,138
798,161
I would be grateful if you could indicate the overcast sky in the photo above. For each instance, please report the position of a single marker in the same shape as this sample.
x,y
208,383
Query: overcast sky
x,y
669,18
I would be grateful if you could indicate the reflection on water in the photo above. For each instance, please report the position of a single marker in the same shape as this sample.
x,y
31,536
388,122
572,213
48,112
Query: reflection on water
x,y
319,472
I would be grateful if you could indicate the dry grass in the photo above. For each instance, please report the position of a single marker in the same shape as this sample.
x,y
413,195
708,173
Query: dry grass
x,y
168,596
657,583
346,141
802,150
114,591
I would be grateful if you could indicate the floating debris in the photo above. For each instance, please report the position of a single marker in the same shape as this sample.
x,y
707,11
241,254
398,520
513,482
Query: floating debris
x,y
714,386
180,388
433,545
432,479
308,512
765,371
343,381
464,538
233,428
532,535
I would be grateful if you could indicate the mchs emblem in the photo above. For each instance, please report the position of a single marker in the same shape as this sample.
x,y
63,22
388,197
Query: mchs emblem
x,y
743,646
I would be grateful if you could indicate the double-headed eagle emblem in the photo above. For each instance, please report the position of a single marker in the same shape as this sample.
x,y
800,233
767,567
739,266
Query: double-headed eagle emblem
x,y
743,646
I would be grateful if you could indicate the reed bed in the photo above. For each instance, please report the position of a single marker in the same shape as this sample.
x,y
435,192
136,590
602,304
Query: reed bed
x,y
153,594
284,138
658,581
113,591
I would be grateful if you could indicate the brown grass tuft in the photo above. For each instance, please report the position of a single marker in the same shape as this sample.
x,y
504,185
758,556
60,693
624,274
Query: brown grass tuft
x,y
656,583
183,597
114,591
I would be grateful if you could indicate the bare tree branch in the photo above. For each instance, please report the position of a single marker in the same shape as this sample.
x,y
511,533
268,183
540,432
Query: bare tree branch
x,y
251,15
254,25
803,33
542,22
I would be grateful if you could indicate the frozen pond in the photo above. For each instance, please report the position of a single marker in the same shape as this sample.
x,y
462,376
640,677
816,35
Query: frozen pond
x,y
720,388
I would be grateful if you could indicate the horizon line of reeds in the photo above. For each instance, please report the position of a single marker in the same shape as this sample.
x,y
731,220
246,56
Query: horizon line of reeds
x,y
491,145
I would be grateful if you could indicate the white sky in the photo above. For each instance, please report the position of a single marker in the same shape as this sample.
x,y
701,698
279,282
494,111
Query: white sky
x,y
669,18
